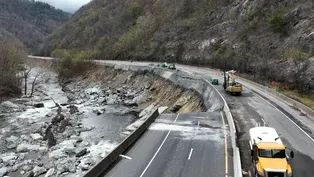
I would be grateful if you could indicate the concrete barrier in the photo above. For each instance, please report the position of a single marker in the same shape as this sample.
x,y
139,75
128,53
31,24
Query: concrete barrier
x,y
237,168
106,162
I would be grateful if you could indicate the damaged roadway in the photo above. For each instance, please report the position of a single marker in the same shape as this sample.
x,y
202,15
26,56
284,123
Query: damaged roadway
x,y
180,145
41,138
250,109
193,144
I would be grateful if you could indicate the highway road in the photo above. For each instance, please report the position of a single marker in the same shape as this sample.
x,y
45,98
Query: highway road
x,y
249,109
181,145
252,108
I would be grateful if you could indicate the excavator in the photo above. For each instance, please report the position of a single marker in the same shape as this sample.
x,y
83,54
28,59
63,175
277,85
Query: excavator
x,y
230,85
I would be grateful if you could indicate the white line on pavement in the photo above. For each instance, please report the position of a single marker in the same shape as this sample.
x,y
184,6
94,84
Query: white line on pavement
x,y
191,151
163,142
126,157
287,117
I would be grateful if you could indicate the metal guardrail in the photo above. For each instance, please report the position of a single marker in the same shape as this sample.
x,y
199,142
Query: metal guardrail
x,y
107,161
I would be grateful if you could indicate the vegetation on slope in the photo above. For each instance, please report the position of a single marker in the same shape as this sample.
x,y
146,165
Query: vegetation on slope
x,y
29,21
11,59
72,63
252,37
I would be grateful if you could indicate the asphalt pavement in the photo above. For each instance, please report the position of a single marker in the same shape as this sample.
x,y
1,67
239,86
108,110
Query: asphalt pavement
x,y
248,110
181,145
251,109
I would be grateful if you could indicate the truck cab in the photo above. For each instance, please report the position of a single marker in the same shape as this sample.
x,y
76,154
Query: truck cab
x,y
269,155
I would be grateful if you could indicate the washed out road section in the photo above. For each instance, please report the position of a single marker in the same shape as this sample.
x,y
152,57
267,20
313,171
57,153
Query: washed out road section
x,y
251,109
180,145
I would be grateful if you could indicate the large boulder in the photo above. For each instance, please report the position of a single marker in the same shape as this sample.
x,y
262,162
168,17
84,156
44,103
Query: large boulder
x,y
29,174
36,136
81,152
3,171
8,157
12,139
92,91
73,109
50,137
29,147
9,104
39,105
39,170
50,172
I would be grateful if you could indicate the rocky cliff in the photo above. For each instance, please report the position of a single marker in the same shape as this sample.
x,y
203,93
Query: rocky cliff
x,y
260,37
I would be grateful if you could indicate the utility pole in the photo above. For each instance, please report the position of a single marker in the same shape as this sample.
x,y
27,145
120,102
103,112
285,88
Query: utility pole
x,y
225,79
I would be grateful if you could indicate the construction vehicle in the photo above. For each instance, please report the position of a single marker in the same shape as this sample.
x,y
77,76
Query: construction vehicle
x,y
164,65
230,85
269,155
214,81
172,66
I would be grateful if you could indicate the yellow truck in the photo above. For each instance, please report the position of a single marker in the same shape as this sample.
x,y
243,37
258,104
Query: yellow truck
x,y
230,85
269,155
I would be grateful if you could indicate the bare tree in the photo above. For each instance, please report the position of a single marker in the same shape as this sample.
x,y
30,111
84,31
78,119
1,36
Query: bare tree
x,y
26,71
34,83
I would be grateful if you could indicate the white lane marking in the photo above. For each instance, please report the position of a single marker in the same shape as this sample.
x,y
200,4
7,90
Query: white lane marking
x,y
126,157
287,117
276,109
198,123
264,123
199,117
163,142
191,151
226,143
250,175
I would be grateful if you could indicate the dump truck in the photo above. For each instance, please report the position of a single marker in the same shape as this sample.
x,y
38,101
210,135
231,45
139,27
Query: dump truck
x,y
269,155
230,85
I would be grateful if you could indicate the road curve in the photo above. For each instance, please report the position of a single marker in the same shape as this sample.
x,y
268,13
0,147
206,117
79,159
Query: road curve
x,y
261,107
252,108
181,145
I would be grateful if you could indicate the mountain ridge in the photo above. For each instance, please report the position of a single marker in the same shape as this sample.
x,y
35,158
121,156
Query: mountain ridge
x,y
29,21
260,37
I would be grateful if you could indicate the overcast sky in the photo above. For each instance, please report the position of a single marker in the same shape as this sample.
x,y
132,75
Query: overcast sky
x,y
67,5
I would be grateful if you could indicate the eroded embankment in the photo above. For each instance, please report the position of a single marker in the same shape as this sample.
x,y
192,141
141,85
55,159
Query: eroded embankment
x,y
64,130
211,99
154,89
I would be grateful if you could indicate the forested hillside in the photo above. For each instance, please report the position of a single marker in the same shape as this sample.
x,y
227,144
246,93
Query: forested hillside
x,y
29,21
270,40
